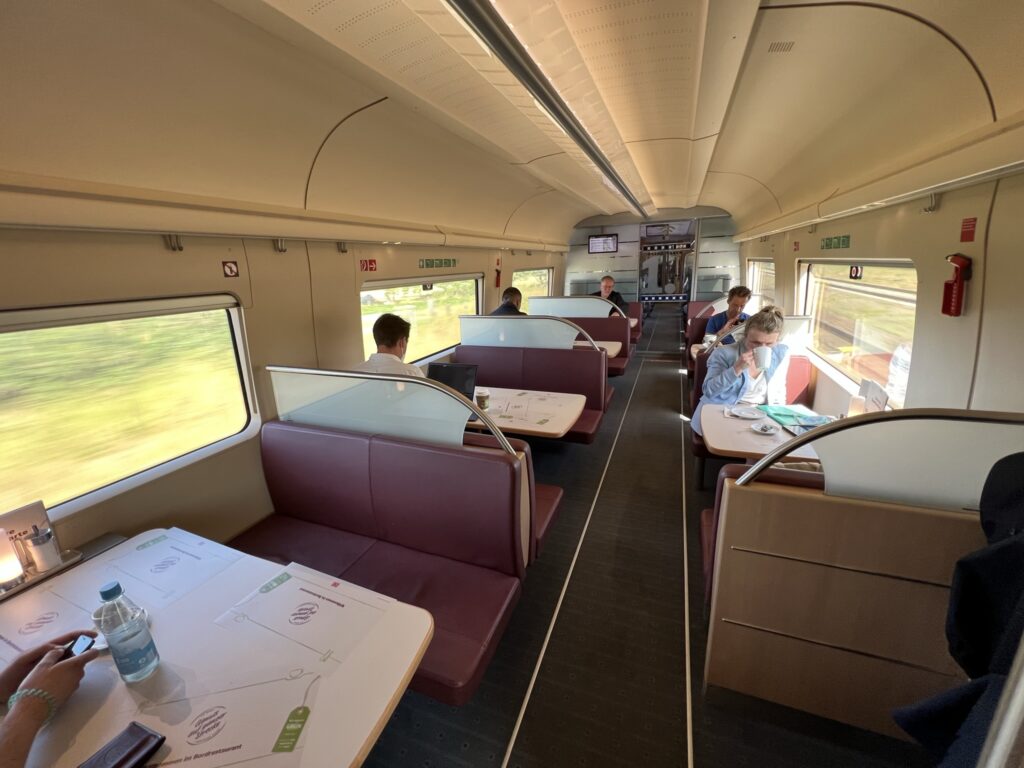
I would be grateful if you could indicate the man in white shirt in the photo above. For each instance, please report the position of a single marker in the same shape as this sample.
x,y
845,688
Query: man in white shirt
x,y
391,334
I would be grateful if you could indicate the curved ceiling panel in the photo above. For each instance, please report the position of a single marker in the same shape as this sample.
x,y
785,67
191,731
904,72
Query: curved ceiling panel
x,y
546,216
990,32
172,96
748,198
665,165
389,159
832,94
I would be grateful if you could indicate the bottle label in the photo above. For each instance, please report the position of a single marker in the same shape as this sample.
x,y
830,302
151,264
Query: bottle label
x,y
289,737
132,659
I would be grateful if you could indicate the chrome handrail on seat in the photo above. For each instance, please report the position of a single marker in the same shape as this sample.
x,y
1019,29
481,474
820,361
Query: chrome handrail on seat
x,y
397,377
908,414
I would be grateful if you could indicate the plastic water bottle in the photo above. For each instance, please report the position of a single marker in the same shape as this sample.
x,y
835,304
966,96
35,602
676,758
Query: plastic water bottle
x,y
124,626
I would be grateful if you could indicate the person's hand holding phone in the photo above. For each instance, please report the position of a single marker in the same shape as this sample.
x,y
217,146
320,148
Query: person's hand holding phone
x,y
11,678
58,676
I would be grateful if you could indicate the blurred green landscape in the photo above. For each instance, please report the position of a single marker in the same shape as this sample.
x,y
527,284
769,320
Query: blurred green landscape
x,y
83,406
433,314
532,282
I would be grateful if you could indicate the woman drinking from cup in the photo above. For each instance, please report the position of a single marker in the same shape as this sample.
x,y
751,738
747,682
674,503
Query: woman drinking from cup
x,y
752,372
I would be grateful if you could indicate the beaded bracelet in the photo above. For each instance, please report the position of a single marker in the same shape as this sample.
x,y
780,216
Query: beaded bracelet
x,y
39,693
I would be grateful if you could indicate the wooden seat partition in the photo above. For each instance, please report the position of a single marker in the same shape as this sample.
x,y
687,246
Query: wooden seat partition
x,y
832,605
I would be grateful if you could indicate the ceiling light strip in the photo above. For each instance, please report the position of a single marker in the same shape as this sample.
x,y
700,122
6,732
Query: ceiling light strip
x,y
483,19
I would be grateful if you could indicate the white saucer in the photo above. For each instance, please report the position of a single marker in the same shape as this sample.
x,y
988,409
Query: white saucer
x,y
764,428
746,413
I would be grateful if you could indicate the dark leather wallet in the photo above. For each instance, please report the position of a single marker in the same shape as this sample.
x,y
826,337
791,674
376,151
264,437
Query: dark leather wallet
x,y
131,748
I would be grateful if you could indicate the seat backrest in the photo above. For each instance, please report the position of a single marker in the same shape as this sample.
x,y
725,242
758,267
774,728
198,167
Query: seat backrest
x,y
700,371
695,331
635,311
798,381
464,504
694,308
606,329
579,371
496,366
319,475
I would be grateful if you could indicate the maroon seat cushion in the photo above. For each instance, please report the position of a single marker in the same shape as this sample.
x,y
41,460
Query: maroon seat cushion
x,y
287,540
585,428
470,606
617,365
548,499
608,393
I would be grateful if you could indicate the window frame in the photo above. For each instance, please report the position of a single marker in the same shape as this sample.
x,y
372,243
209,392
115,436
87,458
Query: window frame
x,y
407,282
549,270
823,364
81,314
748,276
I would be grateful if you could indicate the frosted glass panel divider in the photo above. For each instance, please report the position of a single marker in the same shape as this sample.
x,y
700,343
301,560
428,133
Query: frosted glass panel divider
x,y
376,404
573,306
531,331
931,457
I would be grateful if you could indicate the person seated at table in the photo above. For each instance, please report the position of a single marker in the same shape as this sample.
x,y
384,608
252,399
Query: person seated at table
x,y
391,334
511,300
733,377
733,315
33,687
608,292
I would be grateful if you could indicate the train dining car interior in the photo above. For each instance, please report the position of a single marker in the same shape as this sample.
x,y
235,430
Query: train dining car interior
x,y
514,383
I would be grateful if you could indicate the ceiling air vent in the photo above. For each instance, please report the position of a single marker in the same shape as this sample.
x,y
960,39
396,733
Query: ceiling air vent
x,y
780,47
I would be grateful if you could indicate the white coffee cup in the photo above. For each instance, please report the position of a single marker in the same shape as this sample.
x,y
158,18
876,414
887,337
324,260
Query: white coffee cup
x,y
483,398
762,358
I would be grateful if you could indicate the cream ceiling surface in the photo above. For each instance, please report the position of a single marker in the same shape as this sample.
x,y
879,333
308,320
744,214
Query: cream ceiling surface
x,y
782,112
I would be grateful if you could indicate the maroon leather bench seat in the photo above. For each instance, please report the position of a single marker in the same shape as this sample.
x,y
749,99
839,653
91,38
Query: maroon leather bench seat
x,y
709,517
577,371
615,328
433,526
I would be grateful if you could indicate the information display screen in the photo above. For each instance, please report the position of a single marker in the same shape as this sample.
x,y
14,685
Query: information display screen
x,y
603,244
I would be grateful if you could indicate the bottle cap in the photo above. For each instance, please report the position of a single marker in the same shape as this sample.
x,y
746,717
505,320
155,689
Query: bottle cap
x,y
111,590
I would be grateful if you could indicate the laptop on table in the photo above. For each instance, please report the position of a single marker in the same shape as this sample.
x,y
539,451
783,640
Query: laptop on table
x,y
458,376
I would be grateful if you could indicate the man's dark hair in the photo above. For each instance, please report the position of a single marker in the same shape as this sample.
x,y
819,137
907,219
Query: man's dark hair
x,y
389,330
607,277
511,294
739,290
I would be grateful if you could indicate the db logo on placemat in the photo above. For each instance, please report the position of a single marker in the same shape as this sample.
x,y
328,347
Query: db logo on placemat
x,y
303,613
31,627
165,564
207,724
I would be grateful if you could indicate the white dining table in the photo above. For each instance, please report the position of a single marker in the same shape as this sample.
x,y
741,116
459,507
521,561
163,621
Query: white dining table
x,y
528,412
733,436
260,663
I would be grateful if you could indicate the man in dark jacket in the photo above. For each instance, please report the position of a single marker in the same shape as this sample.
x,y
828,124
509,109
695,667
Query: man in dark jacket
x,y
608,292
511,300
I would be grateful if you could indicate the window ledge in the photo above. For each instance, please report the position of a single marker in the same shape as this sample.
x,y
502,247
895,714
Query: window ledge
x,y
80,503
834,374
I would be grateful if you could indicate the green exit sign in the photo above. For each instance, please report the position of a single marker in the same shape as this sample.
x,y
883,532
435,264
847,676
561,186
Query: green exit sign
x,y
834,243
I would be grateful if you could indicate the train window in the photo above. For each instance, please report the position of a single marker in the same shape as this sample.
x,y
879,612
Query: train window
x,y
432,308
88,401
532,282
863,320
761,279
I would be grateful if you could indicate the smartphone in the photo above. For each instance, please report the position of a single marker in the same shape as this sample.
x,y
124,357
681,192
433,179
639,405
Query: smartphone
x,y
78,646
